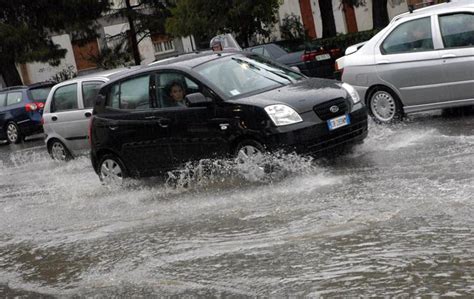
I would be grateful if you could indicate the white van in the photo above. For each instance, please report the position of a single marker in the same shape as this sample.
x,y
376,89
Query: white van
x,y
67,112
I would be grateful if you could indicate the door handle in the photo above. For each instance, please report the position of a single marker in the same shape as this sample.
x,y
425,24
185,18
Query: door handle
x,y
445,56
164,122
150,117
113,128
54,118
87,114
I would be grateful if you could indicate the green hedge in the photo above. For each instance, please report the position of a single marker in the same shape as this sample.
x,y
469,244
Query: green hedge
x,y
343,41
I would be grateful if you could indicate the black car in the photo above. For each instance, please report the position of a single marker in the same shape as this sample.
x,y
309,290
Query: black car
x,y
236,104
311,59
21,108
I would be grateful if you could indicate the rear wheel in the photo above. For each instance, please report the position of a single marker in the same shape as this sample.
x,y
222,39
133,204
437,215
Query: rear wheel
x,y
112,170
59,152
13,133
384,106
247,150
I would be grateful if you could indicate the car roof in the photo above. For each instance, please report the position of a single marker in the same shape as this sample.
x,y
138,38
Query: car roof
x,y
31,86
435,9
185,61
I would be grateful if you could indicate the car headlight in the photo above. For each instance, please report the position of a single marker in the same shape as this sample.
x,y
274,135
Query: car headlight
x,y
282,115
352,92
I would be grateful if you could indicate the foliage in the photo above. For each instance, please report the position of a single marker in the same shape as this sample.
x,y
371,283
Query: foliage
x,y
342,41
113,57
25,27
65,74
292,28
205,18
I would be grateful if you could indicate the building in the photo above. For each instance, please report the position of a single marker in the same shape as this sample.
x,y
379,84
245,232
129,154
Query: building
x,y
79,52
348,19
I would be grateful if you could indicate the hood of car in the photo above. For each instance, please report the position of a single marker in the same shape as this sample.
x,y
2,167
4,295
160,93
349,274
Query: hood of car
x,y
301,96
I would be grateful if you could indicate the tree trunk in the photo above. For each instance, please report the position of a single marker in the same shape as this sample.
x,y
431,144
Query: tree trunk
x,y
327,16
133,34
10,73
380,13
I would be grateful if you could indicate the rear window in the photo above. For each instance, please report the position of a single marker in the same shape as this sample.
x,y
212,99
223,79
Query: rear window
x,y
40,94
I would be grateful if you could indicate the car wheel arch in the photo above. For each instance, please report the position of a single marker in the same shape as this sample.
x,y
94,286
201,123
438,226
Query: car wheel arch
x,y
376,87
49,146
241,138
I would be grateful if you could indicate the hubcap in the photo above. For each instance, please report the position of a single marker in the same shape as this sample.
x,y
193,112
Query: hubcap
x,y
58,151
248,152
383,106
12,133
110,171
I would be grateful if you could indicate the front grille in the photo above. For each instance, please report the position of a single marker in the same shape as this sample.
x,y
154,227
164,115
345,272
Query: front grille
x,y
324,112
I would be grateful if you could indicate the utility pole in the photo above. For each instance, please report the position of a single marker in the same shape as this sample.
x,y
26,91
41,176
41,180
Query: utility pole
x,y
133,33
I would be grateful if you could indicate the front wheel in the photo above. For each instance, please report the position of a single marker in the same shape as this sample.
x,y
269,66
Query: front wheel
x,y
111,170
384,106
13,133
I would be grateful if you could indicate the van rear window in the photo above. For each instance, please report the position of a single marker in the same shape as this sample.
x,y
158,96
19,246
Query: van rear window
x,y
40,94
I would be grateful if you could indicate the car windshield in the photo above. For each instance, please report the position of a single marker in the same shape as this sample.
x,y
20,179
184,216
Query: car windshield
x,y
240,75
40,94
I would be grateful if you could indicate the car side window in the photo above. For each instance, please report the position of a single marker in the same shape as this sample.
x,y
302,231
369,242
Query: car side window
x,y
258,50
131,94
172,87
412,36
90,89
14,98
3,97
65,98
457,30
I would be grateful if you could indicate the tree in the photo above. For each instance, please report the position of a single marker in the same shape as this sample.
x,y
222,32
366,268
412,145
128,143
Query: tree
x,y
26,26
379,14
327,18
204,18
145,18
292,28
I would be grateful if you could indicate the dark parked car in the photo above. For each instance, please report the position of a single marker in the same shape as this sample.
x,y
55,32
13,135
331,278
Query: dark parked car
x,y
311,59
21,108
236,104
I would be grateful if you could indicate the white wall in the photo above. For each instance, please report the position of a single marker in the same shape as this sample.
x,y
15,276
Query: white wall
x,y
188,44
38,72
339,19
394,9
114,30
364,16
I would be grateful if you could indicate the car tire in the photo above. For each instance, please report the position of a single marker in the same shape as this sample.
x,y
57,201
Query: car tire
x,y
111,170
58,151
13,133
385,106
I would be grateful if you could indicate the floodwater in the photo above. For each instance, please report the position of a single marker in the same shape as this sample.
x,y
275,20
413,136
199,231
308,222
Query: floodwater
x,y
392,218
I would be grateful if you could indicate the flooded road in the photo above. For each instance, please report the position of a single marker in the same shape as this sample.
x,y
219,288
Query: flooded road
x,y
392,218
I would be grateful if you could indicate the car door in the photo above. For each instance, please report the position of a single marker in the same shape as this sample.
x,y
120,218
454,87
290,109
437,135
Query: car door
x,y
457,33
65,117
87,95
195,132
406,60
131,125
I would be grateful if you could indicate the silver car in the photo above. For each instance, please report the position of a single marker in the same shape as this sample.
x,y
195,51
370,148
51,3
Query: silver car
x,y
421,61
67,112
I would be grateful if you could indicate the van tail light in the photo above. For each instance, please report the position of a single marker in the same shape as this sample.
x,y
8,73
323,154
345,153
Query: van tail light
x,y
42,120
31,107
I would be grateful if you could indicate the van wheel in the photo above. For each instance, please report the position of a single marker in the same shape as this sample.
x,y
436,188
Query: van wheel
x,y
58,151
112,170
385,106
13,133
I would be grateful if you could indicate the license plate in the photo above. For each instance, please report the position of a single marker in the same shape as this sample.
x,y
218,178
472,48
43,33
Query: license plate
x,y
323,57
338,122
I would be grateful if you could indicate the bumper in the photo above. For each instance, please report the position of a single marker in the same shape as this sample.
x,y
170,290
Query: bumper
x,y
318,138
322,69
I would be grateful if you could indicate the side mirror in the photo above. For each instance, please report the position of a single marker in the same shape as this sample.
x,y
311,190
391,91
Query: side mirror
x,y
295,68
196,99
